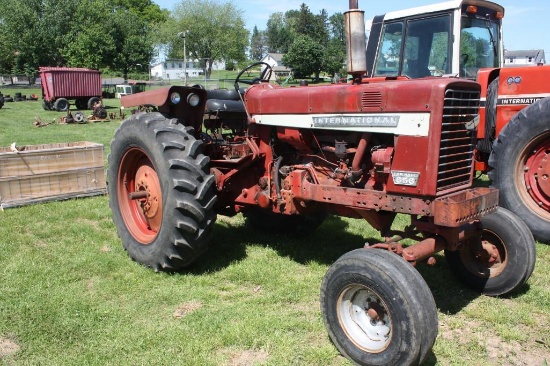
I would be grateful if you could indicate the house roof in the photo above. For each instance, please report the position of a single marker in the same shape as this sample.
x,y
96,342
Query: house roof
x,y
276,56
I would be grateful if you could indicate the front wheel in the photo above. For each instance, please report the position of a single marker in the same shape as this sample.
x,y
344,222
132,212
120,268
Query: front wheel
x,y
161,192
520,164
377,309
501,261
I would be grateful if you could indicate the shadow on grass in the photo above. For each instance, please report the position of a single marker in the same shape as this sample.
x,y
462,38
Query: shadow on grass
x,y
324,245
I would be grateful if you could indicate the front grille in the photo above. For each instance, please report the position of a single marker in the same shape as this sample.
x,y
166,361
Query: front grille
x,y
456,154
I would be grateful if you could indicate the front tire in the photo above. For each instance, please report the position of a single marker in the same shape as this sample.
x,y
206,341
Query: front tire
x,y
502,261
161,192
377,309
520,165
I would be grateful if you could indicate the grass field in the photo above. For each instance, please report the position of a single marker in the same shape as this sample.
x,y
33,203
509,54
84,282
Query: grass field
x,y
69,295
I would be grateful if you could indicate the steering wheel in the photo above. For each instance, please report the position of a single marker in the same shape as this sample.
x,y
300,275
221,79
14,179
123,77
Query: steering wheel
x,y
265,75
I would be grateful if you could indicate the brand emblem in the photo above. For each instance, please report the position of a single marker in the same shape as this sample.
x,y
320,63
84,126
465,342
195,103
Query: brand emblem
x,y
514,80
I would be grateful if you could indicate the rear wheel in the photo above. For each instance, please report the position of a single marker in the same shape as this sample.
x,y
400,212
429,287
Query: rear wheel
x,y
520,165
160,191
501,261
61,105
377,309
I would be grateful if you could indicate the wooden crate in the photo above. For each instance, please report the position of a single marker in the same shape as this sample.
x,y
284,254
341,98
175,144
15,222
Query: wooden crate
x,y
39,173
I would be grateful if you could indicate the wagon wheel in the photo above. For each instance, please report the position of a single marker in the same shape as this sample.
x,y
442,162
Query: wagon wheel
x,y
79,117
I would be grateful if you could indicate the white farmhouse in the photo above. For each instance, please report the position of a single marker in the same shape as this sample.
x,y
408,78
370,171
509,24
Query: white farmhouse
x,y
173,69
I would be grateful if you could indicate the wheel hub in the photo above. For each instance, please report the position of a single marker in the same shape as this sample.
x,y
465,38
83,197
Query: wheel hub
x,y
537,175
146,181
486,259
139,196
365,319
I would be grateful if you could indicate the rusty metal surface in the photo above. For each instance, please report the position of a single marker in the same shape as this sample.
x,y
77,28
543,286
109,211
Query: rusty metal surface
x,y
154,97
453,210
462,207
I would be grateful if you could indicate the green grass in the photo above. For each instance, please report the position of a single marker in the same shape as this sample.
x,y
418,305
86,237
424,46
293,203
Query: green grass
x,y
69,294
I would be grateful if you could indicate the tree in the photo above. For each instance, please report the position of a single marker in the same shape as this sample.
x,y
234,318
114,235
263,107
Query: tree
x,y
146,10
305,57
32,33
80,33
258,45
278,33
217,32
319,43
335,52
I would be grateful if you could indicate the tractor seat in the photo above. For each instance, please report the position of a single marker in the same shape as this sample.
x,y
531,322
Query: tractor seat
x,y
223,94
223,107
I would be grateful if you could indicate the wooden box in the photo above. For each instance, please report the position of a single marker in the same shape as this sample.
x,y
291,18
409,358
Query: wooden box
x,y
38,173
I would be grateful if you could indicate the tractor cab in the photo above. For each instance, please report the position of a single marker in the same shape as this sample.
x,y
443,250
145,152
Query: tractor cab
x,y
453,38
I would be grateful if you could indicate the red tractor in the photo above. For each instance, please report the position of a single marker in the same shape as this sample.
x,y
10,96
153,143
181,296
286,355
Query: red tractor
x,y
463,38
288,157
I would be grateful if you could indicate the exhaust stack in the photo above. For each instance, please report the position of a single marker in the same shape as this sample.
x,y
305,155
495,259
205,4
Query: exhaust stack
x,y
356,45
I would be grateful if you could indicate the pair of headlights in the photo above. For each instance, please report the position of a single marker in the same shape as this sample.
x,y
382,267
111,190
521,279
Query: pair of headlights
x,y
192,99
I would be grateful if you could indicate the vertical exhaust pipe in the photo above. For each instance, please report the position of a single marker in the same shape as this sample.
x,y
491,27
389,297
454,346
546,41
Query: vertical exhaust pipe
x,y
356,44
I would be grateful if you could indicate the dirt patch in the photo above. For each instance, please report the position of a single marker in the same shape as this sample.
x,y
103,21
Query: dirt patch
x,y
247,358
105,249
8,347
499,351
513,353
186,308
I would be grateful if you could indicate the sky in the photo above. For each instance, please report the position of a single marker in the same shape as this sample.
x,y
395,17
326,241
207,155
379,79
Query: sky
x,y
525,26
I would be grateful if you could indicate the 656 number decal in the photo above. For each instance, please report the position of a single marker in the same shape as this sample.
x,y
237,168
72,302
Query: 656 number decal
x,y
401,178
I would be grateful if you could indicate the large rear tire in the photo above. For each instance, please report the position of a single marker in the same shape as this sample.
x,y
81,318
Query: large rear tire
x,y
378,310
502,261
520,165
161,192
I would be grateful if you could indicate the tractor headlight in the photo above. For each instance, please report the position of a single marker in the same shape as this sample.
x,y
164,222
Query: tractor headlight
x,y
193,99
175,98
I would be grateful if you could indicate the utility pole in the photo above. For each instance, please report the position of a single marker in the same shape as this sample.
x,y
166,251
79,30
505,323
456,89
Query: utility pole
x,y
184,36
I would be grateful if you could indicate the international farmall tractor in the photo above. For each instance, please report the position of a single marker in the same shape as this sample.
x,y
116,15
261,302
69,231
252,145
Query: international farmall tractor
x,y
288,157
463,38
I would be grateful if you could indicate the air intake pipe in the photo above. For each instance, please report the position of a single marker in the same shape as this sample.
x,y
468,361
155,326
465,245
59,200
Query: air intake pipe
x,y
356,45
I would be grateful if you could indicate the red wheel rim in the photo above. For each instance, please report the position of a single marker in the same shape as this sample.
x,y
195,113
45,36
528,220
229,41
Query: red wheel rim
x,y
485,259
535,166
139,196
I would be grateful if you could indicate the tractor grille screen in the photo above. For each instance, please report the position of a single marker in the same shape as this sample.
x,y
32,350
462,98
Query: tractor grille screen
x,y
456,154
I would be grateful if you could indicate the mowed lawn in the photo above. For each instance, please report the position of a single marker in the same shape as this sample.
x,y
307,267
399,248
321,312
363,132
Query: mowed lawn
x,y
69,294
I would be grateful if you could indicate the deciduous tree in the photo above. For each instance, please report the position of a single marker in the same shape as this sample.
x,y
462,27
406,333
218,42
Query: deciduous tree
x,y
216,32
